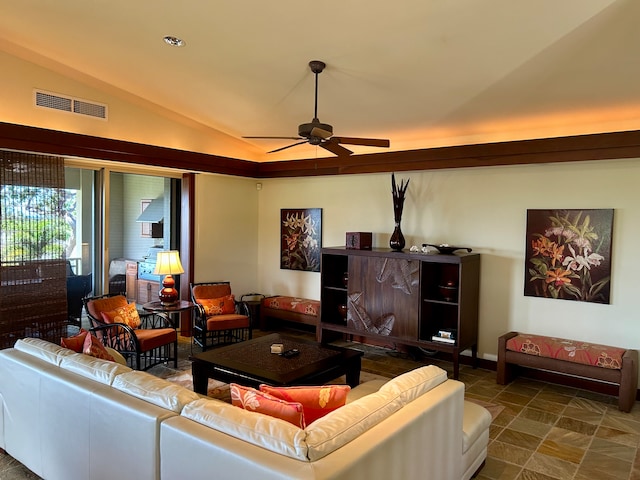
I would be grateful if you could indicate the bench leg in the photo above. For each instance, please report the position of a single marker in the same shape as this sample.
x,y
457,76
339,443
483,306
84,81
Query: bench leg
x,y
505,372
628,381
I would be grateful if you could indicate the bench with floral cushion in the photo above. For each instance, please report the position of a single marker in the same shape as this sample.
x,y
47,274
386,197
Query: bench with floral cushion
x,y
290,309
591,361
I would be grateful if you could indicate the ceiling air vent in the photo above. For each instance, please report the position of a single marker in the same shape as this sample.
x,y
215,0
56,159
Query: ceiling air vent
x,y
70,104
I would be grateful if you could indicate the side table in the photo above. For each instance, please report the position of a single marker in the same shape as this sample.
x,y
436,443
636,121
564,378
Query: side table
x,y
253,301
168,310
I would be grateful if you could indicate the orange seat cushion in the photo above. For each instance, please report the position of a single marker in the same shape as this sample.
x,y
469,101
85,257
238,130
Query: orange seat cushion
x,y
227,322
570,350
155,337
293,304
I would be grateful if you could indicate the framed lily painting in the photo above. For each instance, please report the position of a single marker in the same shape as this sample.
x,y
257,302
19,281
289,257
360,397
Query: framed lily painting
x,y
568,254
300,239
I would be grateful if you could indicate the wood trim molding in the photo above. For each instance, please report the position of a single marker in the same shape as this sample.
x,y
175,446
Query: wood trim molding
x,y
601,146
39,140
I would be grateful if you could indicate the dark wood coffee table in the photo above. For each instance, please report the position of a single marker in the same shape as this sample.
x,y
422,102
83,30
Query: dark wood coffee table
x,y
251,363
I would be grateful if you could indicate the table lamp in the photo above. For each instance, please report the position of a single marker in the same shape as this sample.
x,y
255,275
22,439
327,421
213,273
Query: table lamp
x,y
168,264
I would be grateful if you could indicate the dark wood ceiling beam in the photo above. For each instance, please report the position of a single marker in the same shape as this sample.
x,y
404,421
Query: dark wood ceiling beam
x,y
40,140
546,150
552,150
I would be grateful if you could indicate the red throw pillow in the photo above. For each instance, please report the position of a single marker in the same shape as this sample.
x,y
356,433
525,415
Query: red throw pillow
x,y
257,401
127,315
93,346
316,401
218,306
75,342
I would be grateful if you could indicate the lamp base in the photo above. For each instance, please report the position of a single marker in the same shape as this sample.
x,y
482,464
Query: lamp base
x,y
168,295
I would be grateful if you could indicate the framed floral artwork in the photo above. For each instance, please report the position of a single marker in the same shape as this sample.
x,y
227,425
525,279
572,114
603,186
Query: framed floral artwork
x,y
568,254
300,239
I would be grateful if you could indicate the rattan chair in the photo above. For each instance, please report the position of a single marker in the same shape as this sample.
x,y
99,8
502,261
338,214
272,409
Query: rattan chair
x,y
154,342
216,321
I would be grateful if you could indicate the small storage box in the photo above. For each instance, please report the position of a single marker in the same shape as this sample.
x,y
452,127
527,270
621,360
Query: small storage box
x,y
359,240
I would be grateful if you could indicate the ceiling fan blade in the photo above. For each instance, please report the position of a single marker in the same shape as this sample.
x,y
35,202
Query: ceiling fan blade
x,y
369,142
288,146
277,138
333,147
321,133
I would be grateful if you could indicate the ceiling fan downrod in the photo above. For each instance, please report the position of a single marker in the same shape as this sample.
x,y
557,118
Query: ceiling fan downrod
x,y
316,67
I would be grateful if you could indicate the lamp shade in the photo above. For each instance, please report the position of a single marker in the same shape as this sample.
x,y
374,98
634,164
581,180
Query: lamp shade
x,y
168,263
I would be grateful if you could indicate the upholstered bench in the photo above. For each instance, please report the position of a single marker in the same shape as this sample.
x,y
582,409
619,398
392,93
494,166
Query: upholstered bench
x,y
290,309
602,363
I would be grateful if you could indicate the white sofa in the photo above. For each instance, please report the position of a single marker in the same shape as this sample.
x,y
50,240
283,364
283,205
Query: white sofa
x,y
69,416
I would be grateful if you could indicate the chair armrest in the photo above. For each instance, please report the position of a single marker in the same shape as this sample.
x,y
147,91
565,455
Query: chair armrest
x,y
149,321
242,308
199,315
118,336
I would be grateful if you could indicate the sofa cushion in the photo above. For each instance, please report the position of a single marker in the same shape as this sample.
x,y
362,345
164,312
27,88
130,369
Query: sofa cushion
x,y
415,383
127,314
96,369
260,402
47,351
570,350
154,390
218,306
94,347
75,342
316,401
339,427
257,429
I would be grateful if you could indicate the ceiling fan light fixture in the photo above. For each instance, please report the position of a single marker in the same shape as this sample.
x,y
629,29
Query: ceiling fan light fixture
x,y
321,134
173,41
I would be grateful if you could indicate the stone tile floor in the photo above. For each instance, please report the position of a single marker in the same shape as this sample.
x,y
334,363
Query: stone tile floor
x,y
545,432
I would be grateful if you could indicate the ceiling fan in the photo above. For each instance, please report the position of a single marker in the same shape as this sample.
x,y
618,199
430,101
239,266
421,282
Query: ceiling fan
x,y
321,134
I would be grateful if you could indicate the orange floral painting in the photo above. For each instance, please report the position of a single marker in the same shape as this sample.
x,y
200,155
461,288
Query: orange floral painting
x,y
300,239
568,254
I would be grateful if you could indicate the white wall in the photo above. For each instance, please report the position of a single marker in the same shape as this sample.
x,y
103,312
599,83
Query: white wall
x,y
226,232
485,209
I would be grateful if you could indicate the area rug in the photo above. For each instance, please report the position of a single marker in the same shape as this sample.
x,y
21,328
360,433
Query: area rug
x,y
494,408
220,390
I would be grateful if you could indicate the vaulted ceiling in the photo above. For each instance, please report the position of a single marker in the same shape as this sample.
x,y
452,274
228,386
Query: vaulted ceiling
x,y
421,73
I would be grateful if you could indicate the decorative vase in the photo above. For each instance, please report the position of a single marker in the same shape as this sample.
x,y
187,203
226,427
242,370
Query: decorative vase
x,y
396,242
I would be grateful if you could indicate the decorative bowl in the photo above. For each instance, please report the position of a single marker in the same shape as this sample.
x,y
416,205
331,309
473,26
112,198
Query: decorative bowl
x,y
445,248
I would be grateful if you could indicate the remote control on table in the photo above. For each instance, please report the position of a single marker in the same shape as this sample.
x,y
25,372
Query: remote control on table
x,y
290,353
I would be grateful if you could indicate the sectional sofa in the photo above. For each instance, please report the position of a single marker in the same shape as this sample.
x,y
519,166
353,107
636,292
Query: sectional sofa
x,y
69,416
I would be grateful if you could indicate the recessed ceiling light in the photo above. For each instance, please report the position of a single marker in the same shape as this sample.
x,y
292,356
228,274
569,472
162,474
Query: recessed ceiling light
x,y
174,41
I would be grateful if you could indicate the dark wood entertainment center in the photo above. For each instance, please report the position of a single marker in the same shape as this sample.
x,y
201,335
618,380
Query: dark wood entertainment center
x,y
403,298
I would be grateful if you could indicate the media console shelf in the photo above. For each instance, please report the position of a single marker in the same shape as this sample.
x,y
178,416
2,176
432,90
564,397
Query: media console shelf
x,y
416,299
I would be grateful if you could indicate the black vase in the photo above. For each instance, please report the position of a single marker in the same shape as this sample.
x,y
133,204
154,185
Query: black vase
x,y
396,242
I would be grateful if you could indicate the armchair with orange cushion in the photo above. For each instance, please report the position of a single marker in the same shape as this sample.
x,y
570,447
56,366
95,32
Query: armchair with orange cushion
x,y
218,318
144,339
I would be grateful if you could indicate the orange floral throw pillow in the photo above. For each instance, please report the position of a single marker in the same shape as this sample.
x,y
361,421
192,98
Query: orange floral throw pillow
x,y
76,342
218,306
127,315
92,346
257,401
316,401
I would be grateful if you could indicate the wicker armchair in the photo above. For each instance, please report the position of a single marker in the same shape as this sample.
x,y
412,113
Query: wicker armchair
x,y
218,318
153,342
